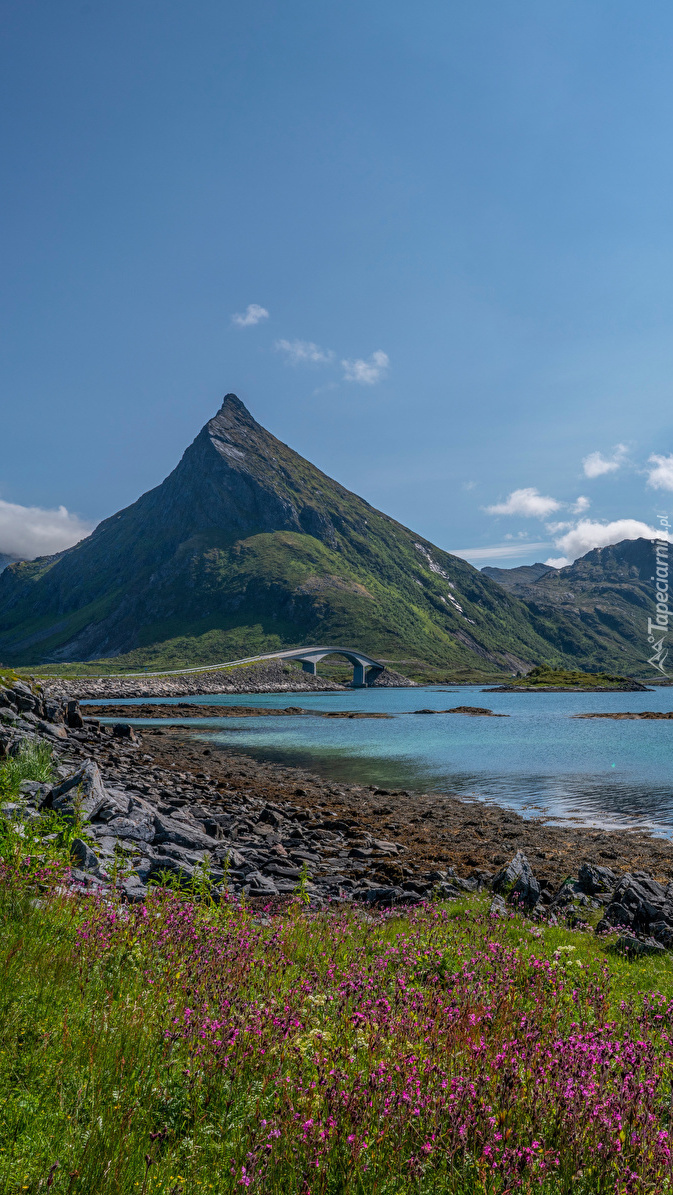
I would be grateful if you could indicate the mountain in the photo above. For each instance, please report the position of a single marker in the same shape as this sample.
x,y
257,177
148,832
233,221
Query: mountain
x,y
525,574
603,600
246,547
5,560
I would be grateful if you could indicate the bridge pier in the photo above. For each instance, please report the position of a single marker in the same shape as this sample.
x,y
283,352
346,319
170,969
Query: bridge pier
x,y
359,681
365,670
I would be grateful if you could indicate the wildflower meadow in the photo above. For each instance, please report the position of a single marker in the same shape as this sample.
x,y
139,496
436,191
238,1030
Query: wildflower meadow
x,y
184,1045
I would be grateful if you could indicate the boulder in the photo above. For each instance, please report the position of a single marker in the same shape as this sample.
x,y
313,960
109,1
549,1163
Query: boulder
x,y
82,793
593,879
516,883
637,901
134,890
385,897
83,855
140,829
258,885
122,730
73,716
54,730
637,947
166,829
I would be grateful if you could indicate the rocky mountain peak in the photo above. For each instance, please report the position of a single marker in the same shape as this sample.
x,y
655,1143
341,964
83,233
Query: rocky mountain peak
x,y
247,547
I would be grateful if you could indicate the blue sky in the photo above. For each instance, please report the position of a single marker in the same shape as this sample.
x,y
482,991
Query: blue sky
x,y
462,209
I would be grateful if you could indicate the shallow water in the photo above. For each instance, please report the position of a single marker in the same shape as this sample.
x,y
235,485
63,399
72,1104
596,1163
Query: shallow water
x,y
539,759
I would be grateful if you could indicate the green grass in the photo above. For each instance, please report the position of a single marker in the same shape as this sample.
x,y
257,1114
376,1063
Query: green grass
x,y
34,762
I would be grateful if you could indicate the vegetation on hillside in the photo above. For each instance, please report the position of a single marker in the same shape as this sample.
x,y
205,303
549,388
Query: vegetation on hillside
x,y
184,1046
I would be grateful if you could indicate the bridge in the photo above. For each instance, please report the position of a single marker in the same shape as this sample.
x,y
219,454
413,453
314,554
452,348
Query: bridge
x,y
365,669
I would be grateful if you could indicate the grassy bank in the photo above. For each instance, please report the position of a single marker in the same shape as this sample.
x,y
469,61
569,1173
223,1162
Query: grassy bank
x,y
184,1046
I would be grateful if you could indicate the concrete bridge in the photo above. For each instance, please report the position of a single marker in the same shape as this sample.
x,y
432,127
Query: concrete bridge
x,y
365,670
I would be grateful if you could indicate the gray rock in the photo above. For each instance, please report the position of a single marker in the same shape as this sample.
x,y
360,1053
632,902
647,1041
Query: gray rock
x,y
53,730
380,844
593,879
445,891
498,908
617,914
167,829
122,730
637,901
258,885
169,850
235,858
637,947
82,793
516,883
134,890
142,830
385,897
33,791
73,715
86,879
284,873
662,931
183,871
83,855
271,817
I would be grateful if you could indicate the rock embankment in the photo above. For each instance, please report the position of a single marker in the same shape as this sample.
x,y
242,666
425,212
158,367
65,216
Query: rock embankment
x,y
272,677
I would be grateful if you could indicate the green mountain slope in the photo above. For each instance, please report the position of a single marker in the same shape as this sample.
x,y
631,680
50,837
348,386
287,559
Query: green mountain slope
x,y
247,547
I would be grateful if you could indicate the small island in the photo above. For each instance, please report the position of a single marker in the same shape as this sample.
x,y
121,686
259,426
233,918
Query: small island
x,y
561,680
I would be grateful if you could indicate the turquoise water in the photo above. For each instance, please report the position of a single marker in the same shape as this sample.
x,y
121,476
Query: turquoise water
x,y
537,760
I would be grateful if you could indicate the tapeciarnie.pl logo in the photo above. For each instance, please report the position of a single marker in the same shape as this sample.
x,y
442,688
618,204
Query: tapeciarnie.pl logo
x,y
657,628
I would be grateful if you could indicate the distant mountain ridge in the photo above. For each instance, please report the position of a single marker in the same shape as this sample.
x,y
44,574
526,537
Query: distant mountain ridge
x,y
5,560
604,600
524,574
246,547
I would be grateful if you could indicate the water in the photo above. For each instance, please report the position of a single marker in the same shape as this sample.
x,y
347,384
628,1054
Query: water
x,y
538,760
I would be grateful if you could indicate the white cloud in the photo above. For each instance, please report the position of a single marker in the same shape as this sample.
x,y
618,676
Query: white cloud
x,y
252,315
497,551
661,472
557,561
557,528
366,372
587,535
580,506
29,531
298,351
595,464
527,502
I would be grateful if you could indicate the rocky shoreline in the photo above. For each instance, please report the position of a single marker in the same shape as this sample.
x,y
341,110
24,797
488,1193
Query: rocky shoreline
x,y
646,715
181,709
163,802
